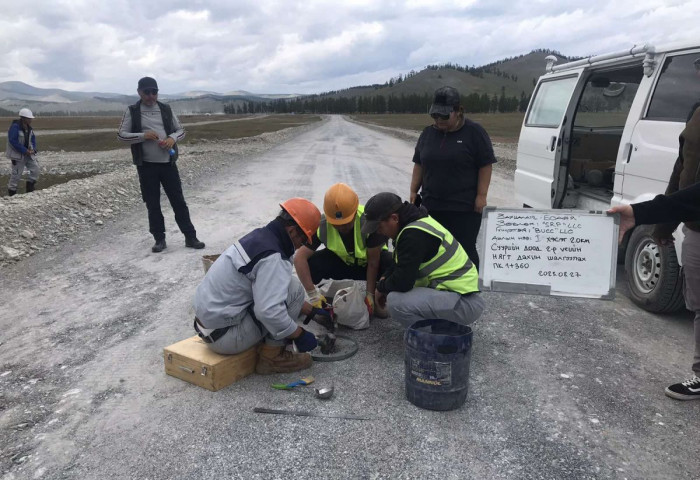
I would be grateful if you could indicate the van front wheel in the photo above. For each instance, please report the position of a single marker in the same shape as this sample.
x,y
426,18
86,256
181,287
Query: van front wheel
x,y
653,274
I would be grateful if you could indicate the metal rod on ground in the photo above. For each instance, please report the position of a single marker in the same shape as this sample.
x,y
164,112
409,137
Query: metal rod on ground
x,y
301,413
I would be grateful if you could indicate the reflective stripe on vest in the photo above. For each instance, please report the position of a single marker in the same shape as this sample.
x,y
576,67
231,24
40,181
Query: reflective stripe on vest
x,y
450,269
331,239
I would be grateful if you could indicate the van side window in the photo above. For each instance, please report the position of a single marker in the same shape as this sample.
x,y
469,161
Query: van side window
x,y
607,98
677,90
550,102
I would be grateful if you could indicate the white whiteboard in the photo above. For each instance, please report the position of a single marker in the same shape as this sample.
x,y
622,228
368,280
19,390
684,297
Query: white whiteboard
x,y
548,252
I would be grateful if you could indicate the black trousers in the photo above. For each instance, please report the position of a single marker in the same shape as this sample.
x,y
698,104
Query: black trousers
x,y
326,264
151,177
464,226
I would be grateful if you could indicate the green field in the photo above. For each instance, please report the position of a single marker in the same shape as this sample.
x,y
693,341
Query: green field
x,y
222,128
502,127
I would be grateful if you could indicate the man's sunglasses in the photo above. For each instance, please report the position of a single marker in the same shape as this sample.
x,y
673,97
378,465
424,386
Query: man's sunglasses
x,y
441,116
150,91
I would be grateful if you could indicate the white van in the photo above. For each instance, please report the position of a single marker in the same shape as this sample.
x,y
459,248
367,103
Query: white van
x,y
604,131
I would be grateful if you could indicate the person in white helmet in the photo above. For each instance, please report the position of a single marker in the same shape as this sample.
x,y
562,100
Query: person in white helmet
x,y
21,150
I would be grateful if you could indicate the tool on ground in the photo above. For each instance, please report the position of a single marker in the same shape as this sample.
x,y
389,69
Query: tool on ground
x,y
327,318
290,386
324,393
302,413
327,343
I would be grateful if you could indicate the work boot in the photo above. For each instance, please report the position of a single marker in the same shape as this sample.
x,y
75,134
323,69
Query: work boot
x,y
159,246
30,186
276,359
192,242
11,192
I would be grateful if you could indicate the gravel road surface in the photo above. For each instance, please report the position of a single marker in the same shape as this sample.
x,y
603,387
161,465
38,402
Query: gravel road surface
x,y
560,388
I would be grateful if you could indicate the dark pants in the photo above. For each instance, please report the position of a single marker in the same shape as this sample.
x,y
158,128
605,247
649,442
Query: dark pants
x,y
151,177
326,264
464,226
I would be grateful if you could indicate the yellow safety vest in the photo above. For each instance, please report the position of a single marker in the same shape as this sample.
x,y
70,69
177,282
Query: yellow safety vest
x,y
331,239
450,269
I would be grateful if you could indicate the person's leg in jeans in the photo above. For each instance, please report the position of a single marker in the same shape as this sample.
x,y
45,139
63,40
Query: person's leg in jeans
x,y
690,258
464,226
149,179
15,175
422,303
34,170
170,178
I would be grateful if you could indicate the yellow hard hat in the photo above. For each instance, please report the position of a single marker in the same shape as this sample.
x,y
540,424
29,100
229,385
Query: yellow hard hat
x,y
304,213
340,204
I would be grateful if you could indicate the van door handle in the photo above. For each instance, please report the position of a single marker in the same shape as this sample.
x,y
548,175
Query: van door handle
x,y
628,147
552,143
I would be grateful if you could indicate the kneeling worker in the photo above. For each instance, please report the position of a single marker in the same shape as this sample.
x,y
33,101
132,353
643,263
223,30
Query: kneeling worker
x,y
249,293
348,254
432,276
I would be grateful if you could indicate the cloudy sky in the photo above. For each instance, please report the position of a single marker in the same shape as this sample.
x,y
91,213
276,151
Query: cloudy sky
x,y
308,46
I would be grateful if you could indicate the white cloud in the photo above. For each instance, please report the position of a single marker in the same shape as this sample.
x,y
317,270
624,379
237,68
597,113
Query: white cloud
x,y
306,47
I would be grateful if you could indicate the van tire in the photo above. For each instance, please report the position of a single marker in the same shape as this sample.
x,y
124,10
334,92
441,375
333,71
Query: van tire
x,y
653,273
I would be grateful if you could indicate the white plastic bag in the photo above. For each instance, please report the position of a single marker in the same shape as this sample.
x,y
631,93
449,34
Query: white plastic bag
x,y
348,302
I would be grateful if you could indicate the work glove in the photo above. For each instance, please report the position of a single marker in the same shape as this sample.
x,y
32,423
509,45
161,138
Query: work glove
x,y
315,298
14,162
369,302
305,342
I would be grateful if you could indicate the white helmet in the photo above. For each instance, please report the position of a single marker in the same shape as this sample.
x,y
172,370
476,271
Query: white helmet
x,y
26,113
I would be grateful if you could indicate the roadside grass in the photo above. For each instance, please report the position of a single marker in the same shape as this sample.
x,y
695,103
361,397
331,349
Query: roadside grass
x,y
501,127
111,121
221,130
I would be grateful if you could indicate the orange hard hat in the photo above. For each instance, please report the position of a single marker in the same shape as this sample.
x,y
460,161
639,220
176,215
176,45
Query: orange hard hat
x,y
340,204
304,213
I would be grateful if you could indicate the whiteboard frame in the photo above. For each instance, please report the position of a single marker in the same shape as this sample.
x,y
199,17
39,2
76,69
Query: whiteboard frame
x,y
537,289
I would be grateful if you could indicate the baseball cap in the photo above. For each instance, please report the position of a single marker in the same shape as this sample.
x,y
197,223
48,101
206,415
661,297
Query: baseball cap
x,y
147,82
378,208
445,101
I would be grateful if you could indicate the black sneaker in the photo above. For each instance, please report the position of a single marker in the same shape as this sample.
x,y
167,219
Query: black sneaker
x,y
159,246
688,390
194,243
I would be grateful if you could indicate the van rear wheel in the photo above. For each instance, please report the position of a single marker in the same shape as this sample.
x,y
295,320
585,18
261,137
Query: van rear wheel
x,y
653,274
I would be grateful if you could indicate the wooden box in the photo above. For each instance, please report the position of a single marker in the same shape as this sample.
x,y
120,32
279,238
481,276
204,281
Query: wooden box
x,y
192,360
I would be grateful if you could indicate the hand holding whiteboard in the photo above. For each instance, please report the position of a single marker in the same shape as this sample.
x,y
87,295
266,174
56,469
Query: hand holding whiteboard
x,y
548,252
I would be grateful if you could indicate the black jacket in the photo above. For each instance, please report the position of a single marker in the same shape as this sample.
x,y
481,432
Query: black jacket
x,y
414,248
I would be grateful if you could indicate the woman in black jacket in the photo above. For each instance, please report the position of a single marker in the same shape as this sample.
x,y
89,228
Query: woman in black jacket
x,y
452,168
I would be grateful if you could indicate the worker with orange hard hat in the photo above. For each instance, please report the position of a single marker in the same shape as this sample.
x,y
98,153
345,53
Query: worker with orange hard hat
x,y
348,253
249,293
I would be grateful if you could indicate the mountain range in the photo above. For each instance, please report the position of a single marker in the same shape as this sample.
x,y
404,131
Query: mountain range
x,y
513,76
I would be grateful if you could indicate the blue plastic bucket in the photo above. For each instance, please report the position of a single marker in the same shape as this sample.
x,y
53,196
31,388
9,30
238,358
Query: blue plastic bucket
x,y
437,358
